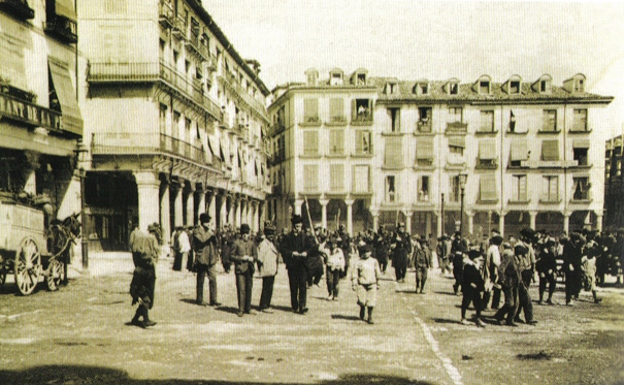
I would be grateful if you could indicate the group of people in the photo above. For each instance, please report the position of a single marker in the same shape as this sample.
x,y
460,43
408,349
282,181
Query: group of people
x,y
484,270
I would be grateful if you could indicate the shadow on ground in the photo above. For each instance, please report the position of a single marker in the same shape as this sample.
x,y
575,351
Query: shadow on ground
x,y
83,375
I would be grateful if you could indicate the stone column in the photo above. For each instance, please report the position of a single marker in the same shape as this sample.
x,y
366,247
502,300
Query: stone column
x,y
148,187
201,204
501,224
189,205
324,203
256,215
598,220
349,203
177,206
566,223
408,221
533,219
470,222
375,215
439,229
223,214
237,212
165,221
212,205
298,204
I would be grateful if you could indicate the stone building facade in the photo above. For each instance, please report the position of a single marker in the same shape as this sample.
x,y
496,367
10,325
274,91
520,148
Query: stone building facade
x,y
614,183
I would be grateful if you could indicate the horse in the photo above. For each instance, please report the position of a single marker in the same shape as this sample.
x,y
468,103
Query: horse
x,y
60,235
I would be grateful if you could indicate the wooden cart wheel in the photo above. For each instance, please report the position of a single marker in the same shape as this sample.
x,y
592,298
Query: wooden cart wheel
x,y
27,266
54,275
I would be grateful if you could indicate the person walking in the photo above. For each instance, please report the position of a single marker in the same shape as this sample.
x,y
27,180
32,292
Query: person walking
x,y
509,279
546,267
335,267
365,281
268,262
401,248
206,259
145,251
422,263
244,255
473,286
295,247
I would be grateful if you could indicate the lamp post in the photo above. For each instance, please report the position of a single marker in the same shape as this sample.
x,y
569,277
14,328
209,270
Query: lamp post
x,y
462,185
81,152
441,216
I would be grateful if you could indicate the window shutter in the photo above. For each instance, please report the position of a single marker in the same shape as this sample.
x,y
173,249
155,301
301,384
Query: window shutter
x,y
580,120
336,142
361,177
487,121
457,141
487,149
336,174
353,109
310,180
488,188
550,150
394,154
580,143
336,109
424,148
310,143
310,109
66,8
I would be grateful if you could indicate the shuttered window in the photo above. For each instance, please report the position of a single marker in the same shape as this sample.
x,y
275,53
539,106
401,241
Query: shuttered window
x,y
391,188
580,120
336,142
62,83
487,188
519,188
310,178
550,187
310,110
310,143
550,150
363,143
361,179
550,120
336,174
393,152
487,149
487,121
336,110
519,150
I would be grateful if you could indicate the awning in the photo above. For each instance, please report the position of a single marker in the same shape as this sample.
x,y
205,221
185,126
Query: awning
x,y
213,145
393,152
580,143
66,8
550,150
457,141
487,185
487,149
225,152
71,120
519,150
424,148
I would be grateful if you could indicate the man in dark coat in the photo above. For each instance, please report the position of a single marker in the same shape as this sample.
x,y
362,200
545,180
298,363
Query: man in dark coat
x,y
401,246
572,260
295,247
244,256
380,243
206,259
346,247
459,248
145,250
510,280
423,262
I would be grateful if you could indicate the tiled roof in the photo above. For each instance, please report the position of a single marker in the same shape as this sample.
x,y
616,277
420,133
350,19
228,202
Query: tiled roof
x,y
467,94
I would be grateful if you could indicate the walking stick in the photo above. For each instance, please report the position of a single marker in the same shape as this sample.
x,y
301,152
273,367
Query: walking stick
x,y
310,219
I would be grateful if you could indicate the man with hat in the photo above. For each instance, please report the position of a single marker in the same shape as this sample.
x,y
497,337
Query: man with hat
x,y
527,264
268,258
206,259
401,247
473,286
572,260
295,247
345,245
422,262
145,250
244,256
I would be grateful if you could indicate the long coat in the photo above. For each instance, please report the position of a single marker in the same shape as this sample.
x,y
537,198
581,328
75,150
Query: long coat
x,y
206,248
144,248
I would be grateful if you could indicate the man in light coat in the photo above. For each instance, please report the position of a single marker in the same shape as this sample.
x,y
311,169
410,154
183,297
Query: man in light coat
x,y
268,260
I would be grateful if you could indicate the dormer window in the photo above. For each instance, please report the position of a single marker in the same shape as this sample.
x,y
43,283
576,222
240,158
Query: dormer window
x,y
543,85
483,85
421,88
452,87
312,76
514,87
361,79
335,77
392,88
575,84
579,85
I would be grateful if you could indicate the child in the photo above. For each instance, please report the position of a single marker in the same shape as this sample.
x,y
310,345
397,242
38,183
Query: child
x,y
472,286
335,267
365,280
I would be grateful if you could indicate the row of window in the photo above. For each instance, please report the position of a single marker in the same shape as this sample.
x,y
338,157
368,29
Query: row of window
x,y
60,20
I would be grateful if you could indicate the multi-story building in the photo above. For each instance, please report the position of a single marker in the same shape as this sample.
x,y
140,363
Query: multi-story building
x,y
40,121
175,120
523,146
614,184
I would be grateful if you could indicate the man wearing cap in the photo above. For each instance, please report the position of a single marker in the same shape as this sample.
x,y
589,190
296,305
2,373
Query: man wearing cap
x,y
244,256
144,248
459,247
268,258
422,262
401,247
206,259
295,247
346,247
572,260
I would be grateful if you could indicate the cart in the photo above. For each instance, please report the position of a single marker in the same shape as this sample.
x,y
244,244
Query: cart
x,y
23,248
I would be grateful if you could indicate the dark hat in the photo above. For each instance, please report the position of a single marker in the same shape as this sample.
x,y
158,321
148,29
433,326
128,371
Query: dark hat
x,y
153,227
269,229
527,232
400,224
520,249
296,219
341,227
497,240
474,253
245,229
363,248
204,218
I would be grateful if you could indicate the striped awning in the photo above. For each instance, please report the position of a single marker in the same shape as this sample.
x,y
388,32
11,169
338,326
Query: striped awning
x,y
424,148
487,188
62,81
550,150
519,150
393,152
580,143
457,141
66,8
487,149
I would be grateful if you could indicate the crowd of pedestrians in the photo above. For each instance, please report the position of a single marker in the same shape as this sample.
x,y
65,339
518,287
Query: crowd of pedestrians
x,y
486,271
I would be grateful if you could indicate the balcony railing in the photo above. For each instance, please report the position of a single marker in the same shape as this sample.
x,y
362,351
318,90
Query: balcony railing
x,y
490,164
196,44
456,127
179,28
423,126
122,143
362,117
18,8
229,80
165,15
62,28
150,72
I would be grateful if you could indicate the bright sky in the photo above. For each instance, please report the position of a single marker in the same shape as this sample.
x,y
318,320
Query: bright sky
x,y
434,40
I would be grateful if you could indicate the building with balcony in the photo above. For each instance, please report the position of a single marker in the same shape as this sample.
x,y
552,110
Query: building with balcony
x,y
40,118
525,147
176,120
614,184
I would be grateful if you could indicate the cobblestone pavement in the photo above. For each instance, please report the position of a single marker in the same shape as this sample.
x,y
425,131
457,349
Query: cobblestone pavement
x,y
79,335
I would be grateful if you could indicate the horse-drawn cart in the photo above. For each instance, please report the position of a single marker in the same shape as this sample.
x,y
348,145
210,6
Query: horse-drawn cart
x,y
24,251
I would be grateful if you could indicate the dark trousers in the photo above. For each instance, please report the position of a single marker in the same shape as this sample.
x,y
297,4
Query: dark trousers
x,y
421,278
298,281
244,285
179,261
493,294
548,281
471,294
572,284
510,307
333,278
202,272
527,277
400,267
267,292
525,303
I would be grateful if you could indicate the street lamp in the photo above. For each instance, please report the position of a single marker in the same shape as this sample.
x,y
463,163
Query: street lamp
x,y
462,177
81,152
442,215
